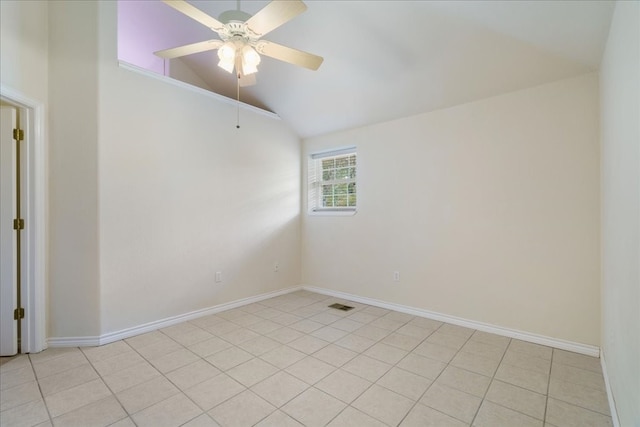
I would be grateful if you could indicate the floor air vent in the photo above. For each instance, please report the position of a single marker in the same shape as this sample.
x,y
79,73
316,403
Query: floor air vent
x,y
341,307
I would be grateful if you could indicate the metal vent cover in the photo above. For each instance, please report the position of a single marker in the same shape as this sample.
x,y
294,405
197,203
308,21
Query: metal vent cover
x,y
341,307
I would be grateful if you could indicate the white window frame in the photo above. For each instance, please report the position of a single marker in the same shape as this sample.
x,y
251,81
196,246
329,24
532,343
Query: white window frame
x,y
315,183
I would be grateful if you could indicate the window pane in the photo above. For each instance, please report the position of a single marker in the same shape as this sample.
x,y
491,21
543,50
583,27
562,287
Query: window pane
x,y
352,200
327,190
341,201
328,175
342,173
352,160
352,173
352,188
327,201
340,189
342,162
328,163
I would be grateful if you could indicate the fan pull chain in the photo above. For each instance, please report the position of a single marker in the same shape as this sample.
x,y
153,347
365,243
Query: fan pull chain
x,y
238,103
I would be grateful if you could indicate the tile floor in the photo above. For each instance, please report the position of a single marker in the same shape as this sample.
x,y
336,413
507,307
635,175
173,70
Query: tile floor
x,y
292,361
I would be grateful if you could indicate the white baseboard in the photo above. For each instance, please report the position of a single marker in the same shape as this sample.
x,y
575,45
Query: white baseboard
x,y
585,349
607,384
163,323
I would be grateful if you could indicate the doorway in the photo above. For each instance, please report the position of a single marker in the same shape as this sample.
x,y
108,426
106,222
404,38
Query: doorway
x,y
22,224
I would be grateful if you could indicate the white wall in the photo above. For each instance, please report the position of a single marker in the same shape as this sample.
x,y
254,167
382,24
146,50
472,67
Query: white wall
x,y
620,115
184,194
489,210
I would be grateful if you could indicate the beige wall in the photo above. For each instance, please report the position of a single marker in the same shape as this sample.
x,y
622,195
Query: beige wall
x,y
184,194
620,108
489,211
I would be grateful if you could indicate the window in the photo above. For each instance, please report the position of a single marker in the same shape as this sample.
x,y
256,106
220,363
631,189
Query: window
x,y
332,181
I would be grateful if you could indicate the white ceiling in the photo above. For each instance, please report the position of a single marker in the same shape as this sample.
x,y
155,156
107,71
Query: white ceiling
x,y
389,59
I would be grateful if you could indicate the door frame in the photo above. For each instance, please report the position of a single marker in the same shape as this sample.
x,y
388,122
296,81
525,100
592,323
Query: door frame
x,y
34,212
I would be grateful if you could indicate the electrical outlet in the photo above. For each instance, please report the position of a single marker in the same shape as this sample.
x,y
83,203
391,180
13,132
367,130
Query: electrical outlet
x,y
276,267
396,276
218,276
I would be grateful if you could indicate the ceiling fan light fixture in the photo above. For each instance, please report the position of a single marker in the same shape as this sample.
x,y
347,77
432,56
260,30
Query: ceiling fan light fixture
x,y
250,60
227,55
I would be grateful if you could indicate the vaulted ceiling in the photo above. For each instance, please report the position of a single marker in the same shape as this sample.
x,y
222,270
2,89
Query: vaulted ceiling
x,y
384,59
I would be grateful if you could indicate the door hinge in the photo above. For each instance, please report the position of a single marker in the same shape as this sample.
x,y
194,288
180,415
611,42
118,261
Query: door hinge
x,y
18,134
18,313
18,224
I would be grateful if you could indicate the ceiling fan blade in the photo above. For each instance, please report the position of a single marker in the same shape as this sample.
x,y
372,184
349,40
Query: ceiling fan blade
x,y
275,14
189,49
288,54
196,14
247,80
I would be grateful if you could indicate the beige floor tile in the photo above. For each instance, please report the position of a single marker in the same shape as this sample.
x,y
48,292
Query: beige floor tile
x,y
313,408
279,388
306,326
376,311
531,380
415,331
253,308
329,334
367,368
19,395
221,328
67,379
11,363
372,332
104,412
474,363
208,347
461,331
423,416
578,395
239,336
578,376
563,414
403,317
268,313
174,360
192,374
126,378
252,372
435,351
577,360
263,327
492,415
285,335
159,348
193,337
247,320
355,343
387,323
172,412
245,409
231,314
530,349
310,370
117,363
425,323
179,329
308,344
524,361
27,415
95,354
466,381
343,386
491,339
209,320
286,319
143,395
214,391
278,419
405,383
283,356
351,417
386,353
13,377
483,349
76,397
52,353
383,405
325,318
125,422
260,345
423,366
55,365
229,358
517,398
361,318
447,340
203,420
403,342
335,355
144,340
458,404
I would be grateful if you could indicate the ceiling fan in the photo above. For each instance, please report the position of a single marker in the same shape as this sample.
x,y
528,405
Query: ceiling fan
x,y
240,44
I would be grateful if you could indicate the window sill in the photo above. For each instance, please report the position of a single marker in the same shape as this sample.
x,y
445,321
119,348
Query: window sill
x,y
332,213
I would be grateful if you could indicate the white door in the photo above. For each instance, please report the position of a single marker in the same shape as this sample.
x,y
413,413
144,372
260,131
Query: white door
x,y
8,253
